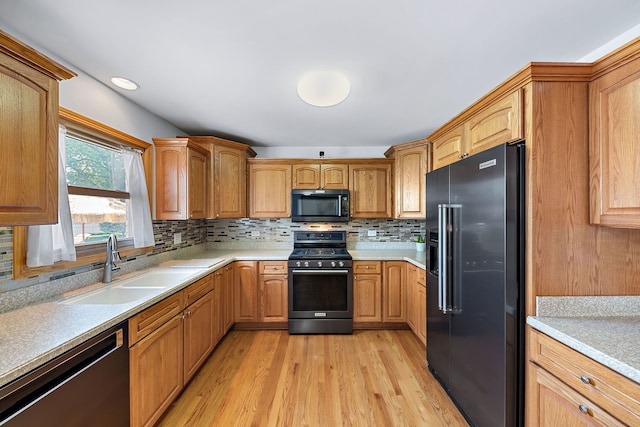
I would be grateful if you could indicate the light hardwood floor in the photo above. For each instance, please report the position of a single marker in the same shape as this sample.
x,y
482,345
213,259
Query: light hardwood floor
x,y
271,378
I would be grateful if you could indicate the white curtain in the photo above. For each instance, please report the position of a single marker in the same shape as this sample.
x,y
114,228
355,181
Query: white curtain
x,y
138,210
47,244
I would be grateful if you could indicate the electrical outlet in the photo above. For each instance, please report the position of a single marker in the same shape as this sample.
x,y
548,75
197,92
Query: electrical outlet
x,y
372,233
255,233
177,238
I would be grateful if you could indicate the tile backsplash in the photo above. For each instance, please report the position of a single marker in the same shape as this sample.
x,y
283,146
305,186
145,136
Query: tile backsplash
x,y
264,233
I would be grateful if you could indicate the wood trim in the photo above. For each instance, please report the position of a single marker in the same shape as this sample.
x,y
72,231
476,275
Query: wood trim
x,y
34,59
534,71
291,161
20,269
617,58
391,152
84,191
223,142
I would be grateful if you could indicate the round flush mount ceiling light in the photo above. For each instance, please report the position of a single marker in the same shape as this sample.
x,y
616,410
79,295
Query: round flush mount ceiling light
x,y
323,88
124,83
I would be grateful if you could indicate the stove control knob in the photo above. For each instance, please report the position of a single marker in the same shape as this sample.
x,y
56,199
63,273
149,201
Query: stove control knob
x,y
319,263
341,264
306,263
333,263
298,263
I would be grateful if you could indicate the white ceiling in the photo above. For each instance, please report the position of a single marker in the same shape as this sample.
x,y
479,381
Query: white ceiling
x,y
230,67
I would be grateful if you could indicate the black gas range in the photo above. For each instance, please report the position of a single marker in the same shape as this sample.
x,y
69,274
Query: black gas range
x,y
320,284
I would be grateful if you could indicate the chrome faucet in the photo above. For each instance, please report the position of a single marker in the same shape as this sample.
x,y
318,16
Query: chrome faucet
x,y
112,256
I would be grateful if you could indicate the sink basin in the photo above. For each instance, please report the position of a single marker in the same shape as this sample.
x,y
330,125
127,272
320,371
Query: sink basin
x,y
111,296
158,278
134,288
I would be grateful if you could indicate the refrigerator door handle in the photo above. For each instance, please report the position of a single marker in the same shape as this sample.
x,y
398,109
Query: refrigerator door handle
x,y
442,258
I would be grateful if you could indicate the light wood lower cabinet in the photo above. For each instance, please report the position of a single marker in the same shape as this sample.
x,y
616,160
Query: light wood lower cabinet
x,y
417,301
394,290
168,343
367,291
273,291
246,289
568,388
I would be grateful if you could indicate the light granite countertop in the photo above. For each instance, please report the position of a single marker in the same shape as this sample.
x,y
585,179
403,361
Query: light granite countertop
x,y
37,333
606,329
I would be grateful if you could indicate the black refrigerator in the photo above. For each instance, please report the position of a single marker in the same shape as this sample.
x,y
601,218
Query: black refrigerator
x,y
475,284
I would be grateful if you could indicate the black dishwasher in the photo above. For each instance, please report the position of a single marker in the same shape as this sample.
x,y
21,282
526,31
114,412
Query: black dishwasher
x,y
86,386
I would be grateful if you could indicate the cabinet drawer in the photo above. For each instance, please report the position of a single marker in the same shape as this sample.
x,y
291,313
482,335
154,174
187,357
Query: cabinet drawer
x,y
145,322
272,267
196,290
613,392
367,267
559,404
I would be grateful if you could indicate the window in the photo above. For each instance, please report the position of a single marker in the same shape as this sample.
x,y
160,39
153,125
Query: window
x,y
97,192
96,184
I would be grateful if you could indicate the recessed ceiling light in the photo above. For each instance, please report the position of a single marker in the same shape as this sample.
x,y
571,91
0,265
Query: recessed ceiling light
x,y
323,88
124,83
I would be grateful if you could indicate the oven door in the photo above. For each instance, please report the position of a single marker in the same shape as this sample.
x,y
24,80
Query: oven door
x,y
320,294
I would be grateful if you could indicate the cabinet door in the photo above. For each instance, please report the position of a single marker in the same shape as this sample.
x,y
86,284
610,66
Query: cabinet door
x,y
29,145
557,404
269,191
171,182
230,183
367,298
198,334
306,176
495,125
228,308
197,185
394,289
273,298
412,298
421,297
246,284
614,151
448,148
334,177
370,187
156,372
411,169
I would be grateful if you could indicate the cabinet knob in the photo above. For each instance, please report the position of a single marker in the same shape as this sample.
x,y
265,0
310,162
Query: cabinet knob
x,y
366,266
585,380
584,410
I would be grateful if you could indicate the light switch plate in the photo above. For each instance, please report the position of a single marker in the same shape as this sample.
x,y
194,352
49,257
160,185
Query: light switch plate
x,y
177,238
372,233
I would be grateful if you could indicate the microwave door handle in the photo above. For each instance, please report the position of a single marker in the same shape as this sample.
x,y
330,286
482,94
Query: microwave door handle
x,y
339,206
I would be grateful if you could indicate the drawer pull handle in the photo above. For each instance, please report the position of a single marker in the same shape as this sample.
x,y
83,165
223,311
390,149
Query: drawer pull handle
x,y
584,409
585,380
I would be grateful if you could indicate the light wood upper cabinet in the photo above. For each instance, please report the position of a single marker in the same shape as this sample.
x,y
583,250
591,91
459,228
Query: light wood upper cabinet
x,y
498,123
448,148
614,147
269,189
320,176
29,134
410,169
227,176
181,179
370,189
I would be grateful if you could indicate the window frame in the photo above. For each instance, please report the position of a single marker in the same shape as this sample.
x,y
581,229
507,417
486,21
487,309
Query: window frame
x,y
86,254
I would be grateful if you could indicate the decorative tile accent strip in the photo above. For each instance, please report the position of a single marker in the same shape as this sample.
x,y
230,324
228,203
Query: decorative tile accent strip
x,y
281,230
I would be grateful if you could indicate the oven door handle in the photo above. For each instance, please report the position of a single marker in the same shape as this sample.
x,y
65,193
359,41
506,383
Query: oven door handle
x,y
320,271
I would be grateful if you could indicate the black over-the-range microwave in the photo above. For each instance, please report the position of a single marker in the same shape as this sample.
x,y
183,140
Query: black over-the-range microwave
x,y
320,205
